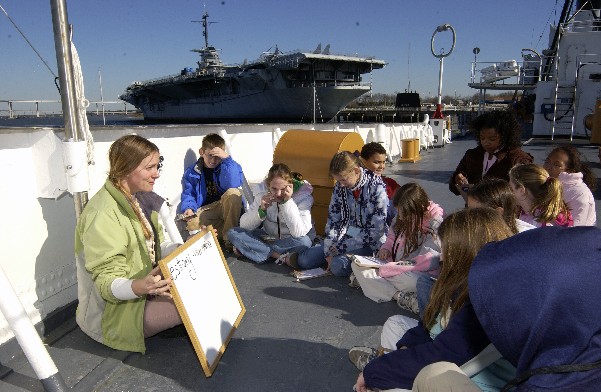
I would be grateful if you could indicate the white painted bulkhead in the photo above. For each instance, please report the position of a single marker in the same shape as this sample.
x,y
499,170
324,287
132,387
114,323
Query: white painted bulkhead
x,y
38,218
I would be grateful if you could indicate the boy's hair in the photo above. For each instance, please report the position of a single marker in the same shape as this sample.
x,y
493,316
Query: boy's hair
x,y
372,148
411,202
343,162
495,193
281,170
547,201
212,140
575,165
462,235
504,122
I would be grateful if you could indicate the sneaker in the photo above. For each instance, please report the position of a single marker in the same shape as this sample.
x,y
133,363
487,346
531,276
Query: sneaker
x,y
281,259
408,300
360,356
228,246
353,281
236,251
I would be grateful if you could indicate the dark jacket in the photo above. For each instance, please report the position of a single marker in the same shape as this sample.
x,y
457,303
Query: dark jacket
x,y
471,165
537,295
460,341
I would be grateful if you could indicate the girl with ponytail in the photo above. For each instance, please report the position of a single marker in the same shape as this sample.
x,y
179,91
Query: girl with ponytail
x,y
539,197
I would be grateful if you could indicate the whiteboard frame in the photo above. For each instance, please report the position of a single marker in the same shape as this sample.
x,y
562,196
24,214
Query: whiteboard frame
x,y
194,330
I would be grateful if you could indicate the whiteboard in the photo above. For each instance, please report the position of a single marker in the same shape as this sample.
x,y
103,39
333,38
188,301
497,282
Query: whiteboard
x,y
205,295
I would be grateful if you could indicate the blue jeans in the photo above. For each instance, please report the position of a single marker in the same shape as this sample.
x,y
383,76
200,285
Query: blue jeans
x,y
340,264
423,287
251,244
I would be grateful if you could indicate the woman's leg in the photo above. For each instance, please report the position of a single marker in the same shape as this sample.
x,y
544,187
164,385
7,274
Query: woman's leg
x,y
423,288
443,376
249,244
311,258
374,287
394,328
290,244
160,314
341,264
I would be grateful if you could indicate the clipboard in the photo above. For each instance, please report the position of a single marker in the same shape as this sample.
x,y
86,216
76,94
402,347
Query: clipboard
x,y
367,261
310,273
205,295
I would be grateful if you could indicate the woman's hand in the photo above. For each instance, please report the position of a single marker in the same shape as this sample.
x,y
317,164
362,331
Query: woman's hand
x,y
267,201
329,260
287,193
383,254
360,384
460,179
152,284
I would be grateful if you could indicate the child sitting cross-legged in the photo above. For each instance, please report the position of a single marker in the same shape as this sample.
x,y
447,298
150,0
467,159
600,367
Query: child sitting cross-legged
x,y
411,246
278,223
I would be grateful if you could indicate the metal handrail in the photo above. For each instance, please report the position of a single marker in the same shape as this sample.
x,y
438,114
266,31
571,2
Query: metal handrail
x,y
37,112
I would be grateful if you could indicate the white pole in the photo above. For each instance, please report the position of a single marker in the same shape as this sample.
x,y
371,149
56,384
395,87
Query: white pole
x,y
101,97
440,81
28,338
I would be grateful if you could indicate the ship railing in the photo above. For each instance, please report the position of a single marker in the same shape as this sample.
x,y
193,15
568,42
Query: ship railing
x,y
516,73
328,84
582,26
15,108
588,63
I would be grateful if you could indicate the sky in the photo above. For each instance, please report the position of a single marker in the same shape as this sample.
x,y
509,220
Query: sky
x,y
135,40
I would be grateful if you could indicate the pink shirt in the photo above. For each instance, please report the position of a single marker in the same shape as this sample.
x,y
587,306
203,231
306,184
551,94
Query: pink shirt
x,y
579,199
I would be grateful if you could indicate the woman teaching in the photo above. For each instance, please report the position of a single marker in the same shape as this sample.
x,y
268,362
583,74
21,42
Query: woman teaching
x,y
122,296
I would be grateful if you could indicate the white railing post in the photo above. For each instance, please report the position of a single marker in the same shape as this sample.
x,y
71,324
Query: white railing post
x,y
28,338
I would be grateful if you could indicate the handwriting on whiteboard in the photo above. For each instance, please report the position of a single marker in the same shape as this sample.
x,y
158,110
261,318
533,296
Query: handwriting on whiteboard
x,y
184,265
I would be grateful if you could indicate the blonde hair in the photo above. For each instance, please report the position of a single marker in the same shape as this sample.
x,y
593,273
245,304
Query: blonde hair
x,y
462,235
547,201
125,155
411,202
343,162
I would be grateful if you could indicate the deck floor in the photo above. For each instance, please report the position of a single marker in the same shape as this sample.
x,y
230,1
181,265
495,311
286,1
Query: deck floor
x,y
294,336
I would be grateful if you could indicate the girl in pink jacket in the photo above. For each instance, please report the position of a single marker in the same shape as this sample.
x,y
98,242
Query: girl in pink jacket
x,y
578,183
412,247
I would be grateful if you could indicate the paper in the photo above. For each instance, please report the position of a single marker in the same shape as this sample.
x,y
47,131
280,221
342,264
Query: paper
x,y
367,261
310,274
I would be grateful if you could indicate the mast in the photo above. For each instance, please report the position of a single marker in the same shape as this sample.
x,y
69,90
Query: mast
x,y
205,30
547,69
64,59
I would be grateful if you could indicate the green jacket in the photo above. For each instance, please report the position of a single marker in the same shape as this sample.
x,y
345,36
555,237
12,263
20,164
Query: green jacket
x,y
110,244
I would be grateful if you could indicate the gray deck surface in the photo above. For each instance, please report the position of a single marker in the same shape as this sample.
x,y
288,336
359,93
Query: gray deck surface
x,y
294,336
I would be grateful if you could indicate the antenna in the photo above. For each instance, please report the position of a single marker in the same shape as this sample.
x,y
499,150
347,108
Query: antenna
x,y
409,66
205,24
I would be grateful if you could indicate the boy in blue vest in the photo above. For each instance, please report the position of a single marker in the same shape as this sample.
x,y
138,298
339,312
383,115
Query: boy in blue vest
x,y
211,194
